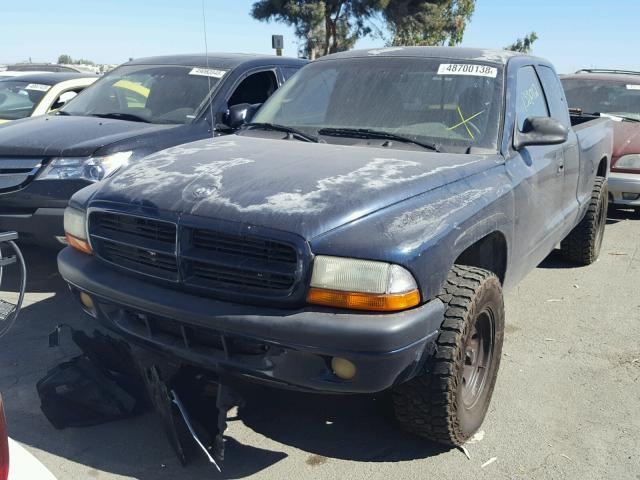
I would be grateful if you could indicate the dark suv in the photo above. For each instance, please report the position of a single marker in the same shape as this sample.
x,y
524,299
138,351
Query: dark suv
x,y
141,107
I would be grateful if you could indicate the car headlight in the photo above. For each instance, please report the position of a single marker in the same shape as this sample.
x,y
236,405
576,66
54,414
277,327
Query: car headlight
x,y
362,284
92,169
630,162
75,229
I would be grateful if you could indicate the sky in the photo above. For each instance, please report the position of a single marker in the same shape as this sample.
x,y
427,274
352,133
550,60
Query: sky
x,y
572,34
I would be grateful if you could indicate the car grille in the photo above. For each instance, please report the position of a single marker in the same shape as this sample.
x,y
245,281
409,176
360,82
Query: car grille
x,y
15,173
202,259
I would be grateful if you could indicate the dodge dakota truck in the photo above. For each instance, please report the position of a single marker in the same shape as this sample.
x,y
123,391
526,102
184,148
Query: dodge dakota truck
x,y
142,106
358,232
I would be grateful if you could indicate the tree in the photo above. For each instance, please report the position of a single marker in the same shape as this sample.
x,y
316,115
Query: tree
x,y
418,22
324,27
523,45
65,59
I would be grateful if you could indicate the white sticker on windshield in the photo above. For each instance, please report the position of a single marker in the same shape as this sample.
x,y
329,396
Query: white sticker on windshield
x,y
633,87
37,86
207,72
467,69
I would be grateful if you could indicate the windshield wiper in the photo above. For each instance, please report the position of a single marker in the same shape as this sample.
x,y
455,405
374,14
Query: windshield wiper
x,y
283,128
369,133
121,116
623,117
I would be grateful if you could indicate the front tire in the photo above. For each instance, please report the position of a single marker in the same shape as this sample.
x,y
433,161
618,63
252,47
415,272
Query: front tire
x,y
583,244
448,400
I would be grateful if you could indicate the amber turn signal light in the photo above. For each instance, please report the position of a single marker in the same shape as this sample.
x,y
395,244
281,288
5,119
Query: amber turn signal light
x,y
79,244
389,302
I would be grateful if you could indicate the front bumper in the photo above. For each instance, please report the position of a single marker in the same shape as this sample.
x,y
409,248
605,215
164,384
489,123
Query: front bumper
x,y
44,226
620,183
284,347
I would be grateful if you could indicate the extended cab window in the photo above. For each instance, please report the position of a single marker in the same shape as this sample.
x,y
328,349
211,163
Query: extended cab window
x,y
162,94
530,99
555,97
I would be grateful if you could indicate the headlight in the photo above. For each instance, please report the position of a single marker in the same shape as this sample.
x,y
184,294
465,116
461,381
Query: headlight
x,y
92,169
75,229
362,284
631,162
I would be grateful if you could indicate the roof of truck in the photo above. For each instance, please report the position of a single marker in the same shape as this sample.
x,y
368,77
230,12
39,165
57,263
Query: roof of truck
x,y
479,54
623,77
215,60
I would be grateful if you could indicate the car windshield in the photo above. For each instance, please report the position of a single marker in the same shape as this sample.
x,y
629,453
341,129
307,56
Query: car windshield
x,y
448,103
162,94
603,96
19,99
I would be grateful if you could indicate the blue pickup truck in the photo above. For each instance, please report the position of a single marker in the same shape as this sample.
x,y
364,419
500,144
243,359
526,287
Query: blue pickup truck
x,y
357,234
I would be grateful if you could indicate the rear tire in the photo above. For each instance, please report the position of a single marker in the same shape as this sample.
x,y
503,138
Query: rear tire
x,y
448,400
583,244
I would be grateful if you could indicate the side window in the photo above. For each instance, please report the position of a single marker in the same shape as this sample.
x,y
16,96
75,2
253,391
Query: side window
x,y
555,95
256,88
287,72
530,101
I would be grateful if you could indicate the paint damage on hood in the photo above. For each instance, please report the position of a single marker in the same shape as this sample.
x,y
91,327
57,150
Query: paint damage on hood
x,y
289,185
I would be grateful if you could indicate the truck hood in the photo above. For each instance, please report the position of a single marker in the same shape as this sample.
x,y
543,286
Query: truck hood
x,y
299,187
73,136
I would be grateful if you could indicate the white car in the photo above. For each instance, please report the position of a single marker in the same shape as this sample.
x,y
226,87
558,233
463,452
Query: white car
x,y
16,463
31,94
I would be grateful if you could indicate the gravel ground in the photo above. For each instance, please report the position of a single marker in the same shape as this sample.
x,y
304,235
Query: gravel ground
x,y
565,406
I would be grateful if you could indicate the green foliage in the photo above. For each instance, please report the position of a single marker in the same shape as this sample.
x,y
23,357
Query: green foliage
x,y
324,27
65,59
435,22
523,45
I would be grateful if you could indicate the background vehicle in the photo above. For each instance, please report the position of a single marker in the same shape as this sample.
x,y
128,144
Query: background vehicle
x,y
613,93
43,67
357,235
141,107
31,95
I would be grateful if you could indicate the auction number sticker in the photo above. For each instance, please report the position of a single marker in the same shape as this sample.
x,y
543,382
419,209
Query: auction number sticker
x,y
38,87
467,69
207,72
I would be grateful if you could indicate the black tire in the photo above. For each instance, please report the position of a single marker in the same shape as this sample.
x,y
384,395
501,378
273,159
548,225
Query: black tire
x,y
583,244
444,403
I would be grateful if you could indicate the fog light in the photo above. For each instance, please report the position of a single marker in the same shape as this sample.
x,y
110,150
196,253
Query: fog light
x,y
86,301
343,368
630,196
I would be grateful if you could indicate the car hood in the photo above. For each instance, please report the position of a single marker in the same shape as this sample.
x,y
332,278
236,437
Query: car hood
x,y
74,136
626,139
300,187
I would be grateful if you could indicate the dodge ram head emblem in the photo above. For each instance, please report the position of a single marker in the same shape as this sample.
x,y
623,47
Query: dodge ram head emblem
x,y
153,256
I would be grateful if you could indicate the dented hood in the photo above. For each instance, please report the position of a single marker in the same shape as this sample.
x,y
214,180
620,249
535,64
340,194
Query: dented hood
x,y
304,188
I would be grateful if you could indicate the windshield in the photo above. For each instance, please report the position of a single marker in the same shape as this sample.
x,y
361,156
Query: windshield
x,y
436,101
162,94
19,99
603,96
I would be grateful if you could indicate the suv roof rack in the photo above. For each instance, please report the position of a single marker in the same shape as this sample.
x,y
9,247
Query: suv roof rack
x,y
607,70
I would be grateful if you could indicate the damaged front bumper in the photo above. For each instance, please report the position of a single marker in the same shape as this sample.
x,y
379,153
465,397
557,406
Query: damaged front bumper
x,y
282,347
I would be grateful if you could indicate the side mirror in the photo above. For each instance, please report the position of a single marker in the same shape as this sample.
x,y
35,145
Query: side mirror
x,y
239,114
540,131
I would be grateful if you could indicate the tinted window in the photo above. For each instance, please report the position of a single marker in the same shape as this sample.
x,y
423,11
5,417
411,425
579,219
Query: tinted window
x,y
555,95
604,96
530,101
256,88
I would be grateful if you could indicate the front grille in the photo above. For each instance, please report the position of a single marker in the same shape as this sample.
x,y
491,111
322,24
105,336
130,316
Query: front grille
x,y
201,260
15,173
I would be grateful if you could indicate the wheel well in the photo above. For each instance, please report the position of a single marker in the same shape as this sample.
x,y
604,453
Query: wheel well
x,y
489,253
602,168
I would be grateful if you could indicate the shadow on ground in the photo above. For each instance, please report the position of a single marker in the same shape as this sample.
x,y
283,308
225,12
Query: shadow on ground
x,y
345,427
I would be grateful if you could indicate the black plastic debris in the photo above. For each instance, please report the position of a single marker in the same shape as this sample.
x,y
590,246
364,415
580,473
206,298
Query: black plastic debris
x,y
102,384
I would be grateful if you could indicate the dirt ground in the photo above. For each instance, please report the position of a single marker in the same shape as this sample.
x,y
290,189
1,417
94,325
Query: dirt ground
x,y
566,404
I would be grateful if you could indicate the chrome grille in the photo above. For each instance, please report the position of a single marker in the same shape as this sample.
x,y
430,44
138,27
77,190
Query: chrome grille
x,y
17,172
